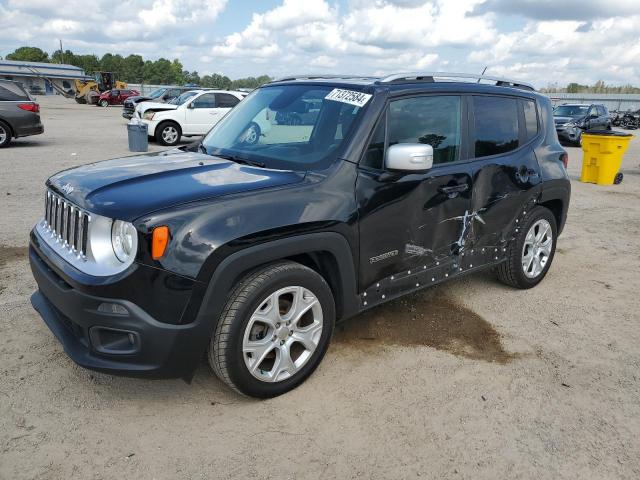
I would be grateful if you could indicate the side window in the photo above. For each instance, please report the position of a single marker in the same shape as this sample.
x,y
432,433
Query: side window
x,y
433,120
593,110
496,125
208,100
601,111
225,100
12,92
530,118
115,93
374,155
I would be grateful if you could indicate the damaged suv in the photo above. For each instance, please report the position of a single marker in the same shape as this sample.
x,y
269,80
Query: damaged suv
x,y
250,249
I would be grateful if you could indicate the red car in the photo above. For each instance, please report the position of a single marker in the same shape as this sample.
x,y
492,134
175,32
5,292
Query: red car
x,y
115,97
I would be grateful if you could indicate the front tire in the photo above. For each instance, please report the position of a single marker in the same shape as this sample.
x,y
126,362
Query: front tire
x,y
273,331
168,133
104,103
530,255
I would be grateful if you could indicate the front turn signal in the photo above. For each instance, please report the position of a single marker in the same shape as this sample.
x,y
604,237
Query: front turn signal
x,y
159,242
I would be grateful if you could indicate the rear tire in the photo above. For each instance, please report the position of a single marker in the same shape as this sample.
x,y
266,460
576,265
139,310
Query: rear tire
x,y
5,134
517,271
273,331
104,103
168,133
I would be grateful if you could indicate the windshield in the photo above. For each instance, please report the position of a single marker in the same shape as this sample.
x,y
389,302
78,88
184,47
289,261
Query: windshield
x,y
288,126
182,98
570,110
156,93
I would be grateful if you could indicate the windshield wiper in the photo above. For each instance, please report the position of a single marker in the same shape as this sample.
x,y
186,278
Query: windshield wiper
x,y
237,159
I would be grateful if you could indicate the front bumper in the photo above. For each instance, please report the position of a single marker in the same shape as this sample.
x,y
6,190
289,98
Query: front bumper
x,y
120,338
568,134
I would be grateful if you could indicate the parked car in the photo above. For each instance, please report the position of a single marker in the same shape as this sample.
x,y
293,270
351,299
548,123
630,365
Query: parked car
x,y
573,119
251,251
19,114
160,95
168,122
115,97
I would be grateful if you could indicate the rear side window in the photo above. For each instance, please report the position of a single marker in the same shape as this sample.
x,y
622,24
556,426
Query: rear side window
x,y
496,125
11,92
432,120
530,118
225,100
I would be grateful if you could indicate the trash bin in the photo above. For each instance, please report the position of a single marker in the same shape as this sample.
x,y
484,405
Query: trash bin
x,y
138,139
602,156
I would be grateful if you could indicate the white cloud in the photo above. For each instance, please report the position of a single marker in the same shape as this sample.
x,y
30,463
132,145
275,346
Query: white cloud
x,y
554,43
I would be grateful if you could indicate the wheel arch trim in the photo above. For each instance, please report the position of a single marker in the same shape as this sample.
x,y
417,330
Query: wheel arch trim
x,y
239,263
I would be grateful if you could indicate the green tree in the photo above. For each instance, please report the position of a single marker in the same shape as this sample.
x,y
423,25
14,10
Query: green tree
x,y
132,69
29,54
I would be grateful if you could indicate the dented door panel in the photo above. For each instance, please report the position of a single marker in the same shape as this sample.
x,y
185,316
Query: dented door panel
x,y
408,221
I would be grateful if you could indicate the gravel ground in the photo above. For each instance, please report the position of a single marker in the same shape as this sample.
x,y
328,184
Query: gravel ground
x,y
471,379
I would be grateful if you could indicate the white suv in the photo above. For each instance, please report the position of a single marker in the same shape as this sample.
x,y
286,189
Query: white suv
x,y
192,113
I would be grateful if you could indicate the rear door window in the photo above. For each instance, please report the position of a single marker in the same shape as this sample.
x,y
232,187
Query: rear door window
x,y
225,100
495,125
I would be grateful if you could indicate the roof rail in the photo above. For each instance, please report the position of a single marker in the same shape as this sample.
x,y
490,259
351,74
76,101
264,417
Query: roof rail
x,y
319,77
432,76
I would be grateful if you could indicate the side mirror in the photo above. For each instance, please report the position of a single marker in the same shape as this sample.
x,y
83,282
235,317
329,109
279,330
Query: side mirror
x,y
191,105
409,157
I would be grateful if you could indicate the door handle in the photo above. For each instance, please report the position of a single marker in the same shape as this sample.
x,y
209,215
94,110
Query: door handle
x,y
454,190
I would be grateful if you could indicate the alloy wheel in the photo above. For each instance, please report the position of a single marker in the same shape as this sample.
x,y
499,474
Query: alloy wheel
x,y
170,134
537,248
282,334
3,135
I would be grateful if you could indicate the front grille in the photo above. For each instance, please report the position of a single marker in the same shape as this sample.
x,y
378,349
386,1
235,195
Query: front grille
x,y
67,223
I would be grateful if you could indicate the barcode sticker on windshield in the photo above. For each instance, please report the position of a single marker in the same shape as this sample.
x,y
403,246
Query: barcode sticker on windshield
x,y
351,97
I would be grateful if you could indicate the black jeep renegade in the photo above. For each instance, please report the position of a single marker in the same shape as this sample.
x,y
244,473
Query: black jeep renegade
x,y
250,245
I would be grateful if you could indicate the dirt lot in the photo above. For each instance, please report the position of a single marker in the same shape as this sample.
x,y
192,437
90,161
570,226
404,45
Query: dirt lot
x,y
467,380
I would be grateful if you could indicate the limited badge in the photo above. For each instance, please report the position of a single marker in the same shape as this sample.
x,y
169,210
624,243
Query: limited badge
x,y
351,97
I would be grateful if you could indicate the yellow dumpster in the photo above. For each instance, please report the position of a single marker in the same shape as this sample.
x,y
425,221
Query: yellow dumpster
x,y
602,156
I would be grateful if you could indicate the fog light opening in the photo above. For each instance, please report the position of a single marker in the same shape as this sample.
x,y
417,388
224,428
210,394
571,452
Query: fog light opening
x,y
114,341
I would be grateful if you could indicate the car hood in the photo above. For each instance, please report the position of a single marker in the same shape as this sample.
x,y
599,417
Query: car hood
x,y
563,120
127,188
138,98
144,106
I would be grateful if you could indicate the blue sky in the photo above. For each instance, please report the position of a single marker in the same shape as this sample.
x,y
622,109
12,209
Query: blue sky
x,y
541,41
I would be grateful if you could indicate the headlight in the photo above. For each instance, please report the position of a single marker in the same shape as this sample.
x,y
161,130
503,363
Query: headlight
x,y
124,239
148,115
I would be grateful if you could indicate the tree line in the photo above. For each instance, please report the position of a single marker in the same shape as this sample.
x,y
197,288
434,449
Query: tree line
x,y
598,87
135,69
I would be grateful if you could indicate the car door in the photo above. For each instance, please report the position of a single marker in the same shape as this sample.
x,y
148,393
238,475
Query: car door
x,y
411,223
506,176
224,103
201,114
114,97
